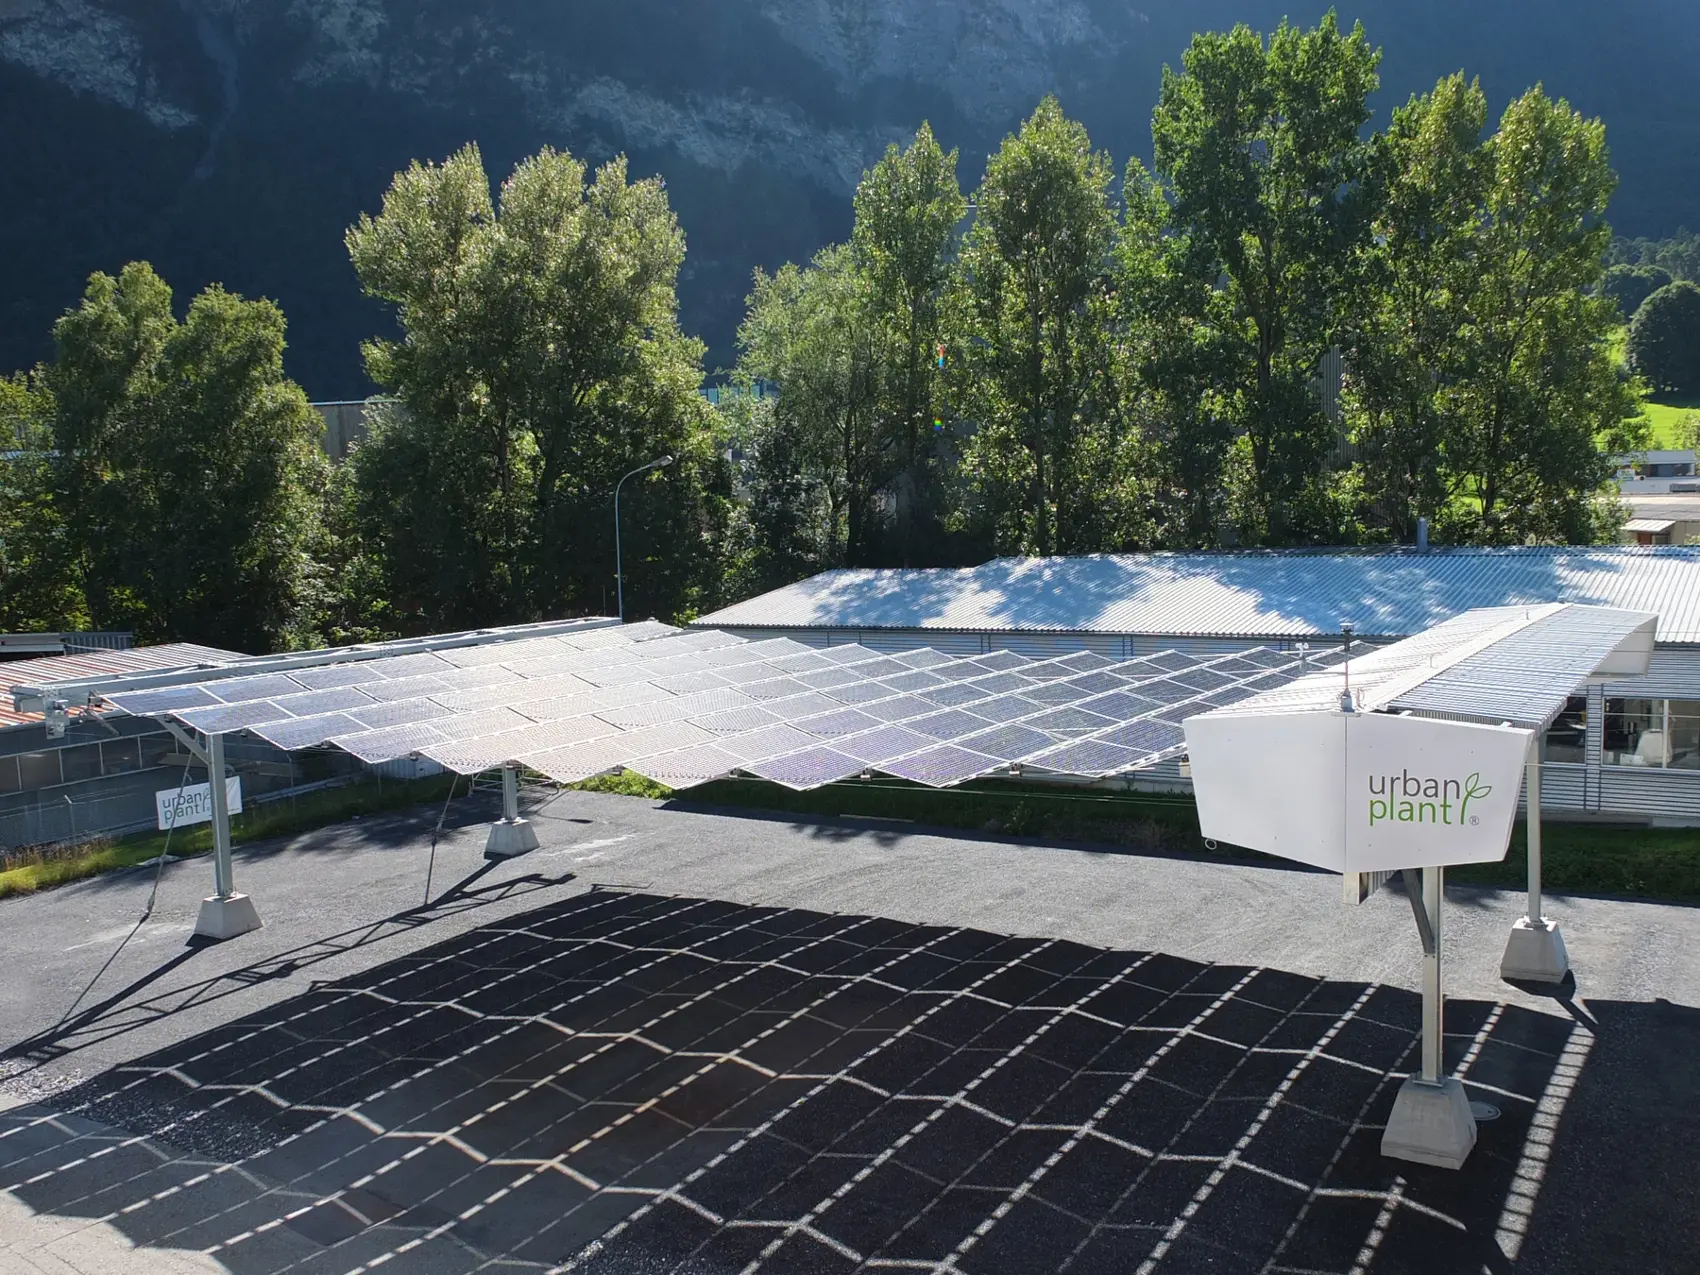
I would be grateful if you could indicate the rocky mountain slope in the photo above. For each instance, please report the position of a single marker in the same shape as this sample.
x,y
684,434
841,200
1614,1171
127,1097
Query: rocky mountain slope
x,y
235,139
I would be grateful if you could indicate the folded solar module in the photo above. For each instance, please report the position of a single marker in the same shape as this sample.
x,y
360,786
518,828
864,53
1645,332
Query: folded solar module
x,y
688,707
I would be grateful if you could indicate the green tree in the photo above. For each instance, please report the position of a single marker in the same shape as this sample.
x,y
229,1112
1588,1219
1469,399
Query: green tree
x,y
39,590
541,360
815,333
907,209
1421,270
1629,286
1537,401
187,465
1033,306
1260,148
1664,339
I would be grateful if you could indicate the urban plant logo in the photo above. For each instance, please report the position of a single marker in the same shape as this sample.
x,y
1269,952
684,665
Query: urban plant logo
x,y
1408,798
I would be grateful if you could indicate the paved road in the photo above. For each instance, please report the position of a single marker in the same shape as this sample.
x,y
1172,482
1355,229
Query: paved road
x,y
145,1082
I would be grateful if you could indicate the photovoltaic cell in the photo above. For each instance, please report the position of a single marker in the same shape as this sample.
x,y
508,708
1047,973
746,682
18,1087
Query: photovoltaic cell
x,y
1071,720
1084,662
849,653
401,713
951,695
771,741
1087,757
1052,693
304,732
998,661
1001,683
309,703
883,744
859,692
774,688
1004,708
844,721
926,657
1202,678
239,690
911,681
941,766
318,679
952,724
1121,705
390,743
167,699
1097,683
808,769
426,662
737,719
405,688
1145,737
1170,661
1167,692
688,767
826,678
899,708
229,717
1008,743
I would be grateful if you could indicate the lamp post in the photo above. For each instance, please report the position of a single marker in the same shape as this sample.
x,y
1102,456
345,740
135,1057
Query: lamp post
x,y
619,573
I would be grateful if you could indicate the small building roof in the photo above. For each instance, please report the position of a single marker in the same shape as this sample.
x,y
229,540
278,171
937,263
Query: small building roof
x,y
167,657
1651,525
1250,595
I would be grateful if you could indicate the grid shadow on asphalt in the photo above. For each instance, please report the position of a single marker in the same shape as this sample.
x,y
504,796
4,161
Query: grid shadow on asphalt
x,y
629,1082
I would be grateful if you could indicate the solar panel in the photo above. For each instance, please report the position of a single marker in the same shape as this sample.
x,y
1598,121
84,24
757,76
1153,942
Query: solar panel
x,y
1073,720
926,657
843,721
859,692
308,703
1001,683
770,741
1169,661
1097,683
304,732
478,678
950,695
899,708
688,767
808,769
1084,662
401,713
825,678
951,724
912,681
472,725
239,690
1121,705
429,662
1202,679
736,719
390,743
940,766
774,688
1145,737
1004,708
849,653
1053,693
1167,691
1087,757
405,688
318,679
1008,743
166,699
883,744
999,661
228,717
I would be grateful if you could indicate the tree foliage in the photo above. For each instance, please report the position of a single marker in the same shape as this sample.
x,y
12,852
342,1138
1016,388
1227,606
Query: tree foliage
x,y
38,587
1629,286
1664,339
187,466
541,360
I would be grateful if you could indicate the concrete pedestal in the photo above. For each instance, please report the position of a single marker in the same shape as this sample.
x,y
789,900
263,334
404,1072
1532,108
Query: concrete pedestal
x,y
225,918
510,838
1431,1124
1535,953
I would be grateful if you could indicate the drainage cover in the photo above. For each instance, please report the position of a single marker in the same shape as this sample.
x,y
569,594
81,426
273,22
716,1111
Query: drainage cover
x,y
1484,1111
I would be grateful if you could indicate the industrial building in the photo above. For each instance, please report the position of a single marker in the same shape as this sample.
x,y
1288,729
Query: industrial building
x,y
1626,750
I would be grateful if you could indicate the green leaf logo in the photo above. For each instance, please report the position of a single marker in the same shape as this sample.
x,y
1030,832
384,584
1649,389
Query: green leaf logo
x,y
1473,787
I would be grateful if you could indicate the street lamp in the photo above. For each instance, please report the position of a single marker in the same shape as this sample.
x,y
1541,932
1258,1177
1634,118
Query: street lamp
x,y
619,574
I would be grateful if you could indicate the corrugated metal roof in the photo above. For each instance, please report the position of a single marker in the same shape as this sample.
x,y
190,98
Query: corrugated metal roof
x,y
1251,595
67,668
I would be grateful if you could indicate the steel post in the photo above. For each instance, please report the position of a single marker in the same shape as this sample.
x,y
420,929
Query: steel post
x,y
1433,1002
223,883
1532,793
1535,951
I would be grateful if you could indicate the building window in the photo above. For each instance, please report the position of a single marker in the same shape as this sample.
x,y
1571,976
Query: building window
x,y
120,756
1567,738
8,774
1662,733
79,763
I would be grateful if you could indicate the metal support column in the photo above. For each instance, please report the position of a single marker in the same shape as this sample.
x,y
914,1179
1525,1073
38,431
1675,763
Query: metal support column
x,y
1535,951
1431,1121
227,913
510,836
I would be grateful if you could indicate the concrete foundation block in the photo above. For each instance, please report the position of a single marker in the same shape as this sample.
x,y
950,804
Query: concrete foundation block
x,y
510,838
222,919
1535,953
1431,1124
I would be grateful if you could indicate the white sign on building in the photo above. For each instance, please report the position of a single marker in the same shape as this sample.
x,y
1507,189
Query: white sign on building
x,y
179,808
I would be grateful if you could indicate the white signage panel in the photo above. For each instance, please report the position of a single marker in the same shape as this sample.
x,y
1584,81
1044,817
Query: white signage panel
x,y
1359,792
1422,793
193,804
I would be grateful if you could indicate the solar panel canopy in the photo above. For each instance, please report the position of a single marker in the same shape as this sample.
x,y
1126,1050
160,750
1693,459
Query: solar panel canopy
x,y
686,707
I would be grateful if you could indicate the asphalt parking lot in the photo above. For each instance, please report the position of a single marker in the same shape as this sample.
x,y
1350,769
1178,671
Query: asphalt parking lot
x,y
676,1040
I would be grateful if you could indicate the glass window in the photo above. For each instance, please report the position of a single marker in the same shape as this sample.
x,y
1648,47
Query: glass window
x,y
81,762
1567,738
1663,733
8,774
119,756
38,770
156,748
